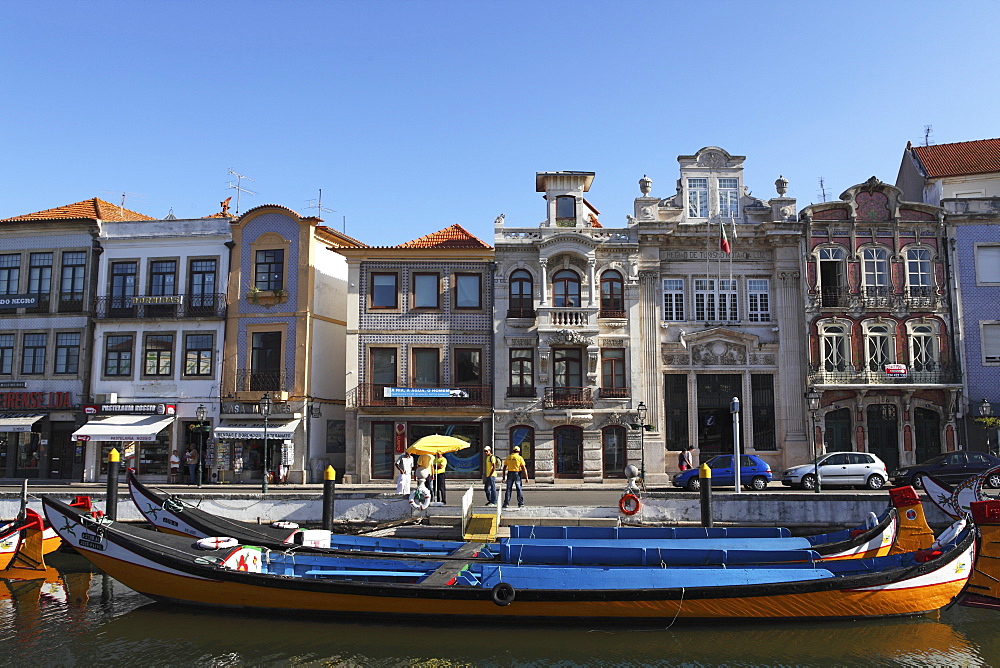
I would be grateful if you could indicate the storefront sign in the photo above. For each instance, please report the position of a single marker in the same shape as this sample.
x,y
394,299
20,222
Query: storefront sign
x,y
12,383
19,301
158,299
423,392
130,409
16,400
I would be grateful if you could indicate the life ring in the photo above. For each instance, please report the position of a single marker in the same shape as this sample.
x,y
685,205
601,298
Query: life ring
x,y
503,594
284,525
629,504
420,499
217,543
948,535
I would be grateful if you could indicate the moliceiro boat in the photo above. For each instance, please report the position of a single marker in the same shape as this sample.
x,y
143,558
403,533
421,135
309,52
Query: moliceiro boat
x,y
727,586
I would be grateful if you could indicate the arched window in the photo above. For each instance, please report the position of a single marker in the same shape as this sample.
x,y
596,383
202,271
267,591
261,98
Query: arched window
x,y
835,347
875,276
569,451
566,288
521,298
879,349
612,295
523,436
918,276
923,348
613,440
832,283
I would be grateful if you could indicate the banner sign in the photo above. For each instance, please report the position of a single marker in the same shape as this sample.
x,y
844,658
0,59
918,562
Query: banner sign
x,y
52,400
18,301
423,392
130,409
158,299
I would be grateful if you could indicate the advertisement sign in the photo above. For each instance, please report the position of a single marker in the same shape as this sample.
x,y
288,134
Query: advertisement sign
x,y
130,409
18,301
423,392
896,370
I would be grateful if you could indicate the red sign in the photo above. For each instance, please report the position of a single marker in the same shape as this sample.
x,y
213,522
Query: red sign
x,y
83,437
400,437
896,370
16,400
130,409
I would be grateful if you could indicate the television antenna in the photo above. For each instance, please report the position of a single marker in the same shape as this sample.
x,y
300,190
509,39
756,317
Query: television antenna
x,y
822,189
928,129
124,195
319,205
238,187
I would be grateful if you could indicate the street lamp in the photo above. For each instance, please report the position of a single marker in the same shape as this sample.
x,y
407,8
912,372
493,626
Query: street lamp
x,y
640,412
265,405
814,398
201,413
734,408
985,410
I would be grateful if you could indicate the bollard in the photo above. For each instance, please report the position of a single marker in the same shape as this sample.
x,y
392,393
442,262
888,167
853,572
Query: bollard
x,y
329,489
705,478
111,504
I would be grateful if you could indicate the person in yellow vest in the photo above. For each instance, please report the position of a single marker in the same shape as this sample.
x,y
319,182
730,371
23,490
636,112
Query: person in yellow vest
x,y
515,470
491,469
440,466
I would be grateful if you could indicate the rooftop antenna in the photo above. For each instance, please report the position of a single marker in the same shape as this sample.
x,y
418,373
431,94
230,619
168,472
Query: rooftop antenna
x,y
239,188
319,205
123,195
928,129
822,189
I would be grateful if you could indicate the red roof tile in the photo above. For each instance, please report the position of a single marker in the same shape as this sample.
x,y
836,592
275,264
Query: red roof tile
x,y
88,209
968,157
455,236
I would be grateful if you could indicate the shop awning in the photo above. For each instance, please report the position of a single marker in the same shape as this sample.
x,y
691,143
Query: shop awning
x,y
18,422
124,428
278,430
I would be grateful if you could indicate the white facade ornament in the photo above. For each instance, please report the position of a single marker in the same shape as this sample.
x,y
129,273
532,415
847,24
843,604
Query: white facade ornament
x,y
718,353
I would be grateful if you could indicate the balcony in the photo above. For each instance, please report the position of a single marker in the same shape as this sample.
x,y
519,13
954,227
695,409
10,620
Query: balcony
x,y
560,317
615,392
926,374
251,385
521,392
834,297
611,313
371,395
568,397
139,307
921,297
878,297
521,313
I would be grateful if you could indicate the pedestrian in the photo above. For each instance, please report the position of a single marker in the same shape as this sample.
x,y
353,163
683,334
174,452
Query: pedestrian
x,y
175,467
491,469
191,459
404,471
685,459
515,470
287,457
440,466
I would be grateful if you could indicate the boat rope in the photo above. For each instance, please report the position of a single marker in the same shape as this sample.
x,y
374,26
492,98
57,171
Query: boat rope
x,y
680,604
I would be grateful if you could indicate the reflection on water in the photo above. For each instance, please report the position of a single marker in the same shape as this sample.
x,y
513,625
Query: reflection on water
x,y
71,618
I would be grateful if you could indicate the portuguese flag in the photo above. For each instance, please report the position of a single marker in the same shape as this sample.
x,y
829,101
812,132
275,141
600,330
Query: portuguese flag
x,y
723,239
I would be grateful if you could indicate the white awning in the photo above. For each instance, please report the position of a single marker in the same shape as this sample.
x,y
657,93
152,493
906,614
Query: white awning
x,y
18,422
277,430
124,428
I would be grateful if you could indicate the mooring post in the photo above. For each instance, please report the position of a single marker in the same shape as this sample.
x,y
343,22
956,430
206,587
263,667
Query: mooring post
x,y
329,489
111,502
705,480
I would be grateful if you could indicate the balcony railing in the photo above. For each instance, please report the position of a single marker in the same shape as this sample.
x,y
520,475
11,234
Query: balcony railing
x,y
521,391
877,296
71,303
924,374
611,313
248,380
615,392
521,313
570,316
921,297
210,305
568,397
834,297
372,395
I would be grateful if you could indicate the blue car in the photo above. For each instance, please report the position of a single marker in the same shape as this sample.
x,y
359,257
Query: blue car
x,y
755,473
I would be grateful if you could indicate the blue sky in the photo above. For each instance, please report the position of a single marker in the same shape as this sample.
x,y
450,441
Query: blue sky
x,y
412,116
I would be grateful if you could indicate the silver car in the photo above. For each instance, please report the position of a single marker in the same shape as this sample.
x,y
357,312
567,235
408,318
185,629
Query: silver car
x,y
841,469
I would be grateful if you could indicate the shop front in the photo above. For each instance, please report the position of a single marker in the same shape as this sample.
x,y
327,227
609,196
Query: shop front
x,y
240,447
390,439
139,432
35,430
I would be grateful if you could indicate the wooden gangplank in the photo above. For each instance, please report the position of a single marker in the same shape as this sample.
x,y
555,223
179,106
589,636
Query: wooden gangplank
x,y
449,570
482,528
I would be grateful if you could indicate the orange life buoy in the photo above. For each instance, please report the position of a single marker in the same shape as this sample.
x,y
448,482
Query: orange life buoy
x,y
629,504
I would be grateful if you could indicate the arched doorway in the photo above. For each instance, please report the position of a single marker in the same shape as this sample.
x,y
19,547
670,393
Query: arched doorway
x,y
883,433
927,434
837,431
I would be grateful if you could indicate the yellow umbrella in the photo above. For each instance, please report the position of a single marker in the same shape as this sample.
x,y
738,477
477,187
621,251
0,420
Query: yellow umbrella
x,y
436,444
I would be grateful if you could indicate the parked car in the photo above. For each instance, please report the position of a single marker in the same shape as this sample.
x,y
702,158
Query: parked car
x,y
755,473
840,469
951,468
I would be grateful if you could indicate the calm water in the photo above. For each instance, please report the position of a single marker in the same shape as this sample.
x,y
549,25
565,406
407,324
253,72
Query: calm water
x,y
85,619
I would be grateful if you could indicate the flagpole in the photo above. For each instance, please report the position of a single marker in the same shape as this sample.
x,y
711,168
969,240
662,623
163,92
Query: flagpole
x,y
731,286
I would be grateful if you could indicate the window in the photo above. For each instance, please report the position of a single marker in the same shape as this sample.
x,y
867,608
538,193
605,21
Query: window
x,y
673,299
383,450
269,269
67,352
613,373
875,272
425,291
384,294
697,198
201,287
523,437
612,295
565,288
468,366
567,367
198,354
727,300
383,368
613,447
987,265
878,347
831,277
758,300
10,274
762,395
122,285
40,279
522,375
729,198
918,272
565,208
74,265
265,361
33,354
521,295
834,348
425,367
991,342
118,355
923,348
468,291
158,354
6,354
163,278
704,299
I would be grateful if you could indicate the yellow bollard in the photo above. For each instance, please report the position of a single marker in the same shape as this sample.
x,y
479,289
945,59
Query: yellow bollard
x,y
705,486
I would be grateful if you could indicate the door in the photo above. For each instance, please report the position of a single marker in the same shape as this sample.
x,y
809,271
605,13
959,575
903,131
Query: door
x,y
833,470
723,473
883,434
837,435
715,422
569,451
927,432
61,451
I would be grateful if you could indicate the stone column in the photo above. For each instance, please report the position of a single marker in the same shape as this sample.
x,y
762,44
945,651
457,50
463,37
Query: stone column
x,y
591,263
650,390
791,393
543,263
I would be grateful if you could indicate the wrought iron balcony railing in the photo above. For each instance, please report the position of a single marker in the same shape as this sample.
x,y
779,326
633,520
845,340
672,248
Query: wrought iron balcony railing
x,y
615,392
568,397
521,313
372,395
248,380
611,313
920,374
521,391
208,305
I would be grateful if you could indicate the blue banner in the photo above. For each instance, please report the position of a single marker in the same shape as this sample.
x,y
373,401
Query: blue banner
x,y
425,392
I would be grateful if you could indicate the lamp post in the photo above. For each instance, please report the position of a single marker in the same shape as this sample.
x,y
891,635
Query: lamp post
x,y
734,408
201,413
640,412
814,398
985,410
265,405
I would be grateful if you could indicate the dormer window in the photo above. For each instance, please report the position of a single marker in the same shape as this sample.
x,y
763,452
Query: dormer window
x,y
729,198
698,198
565,208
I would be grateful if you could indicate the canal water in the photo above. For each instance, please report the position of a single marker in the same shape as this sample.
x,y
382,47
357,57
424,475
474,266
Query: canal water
x,y
82,618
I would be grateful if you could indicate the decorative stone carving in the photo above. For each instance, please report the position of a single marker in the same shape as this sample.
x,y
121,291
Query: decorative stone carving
x,y
615,418
516,416
520,342
614,343
676,359
593,362
569,417
765,359
712,159
719,353
569,336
